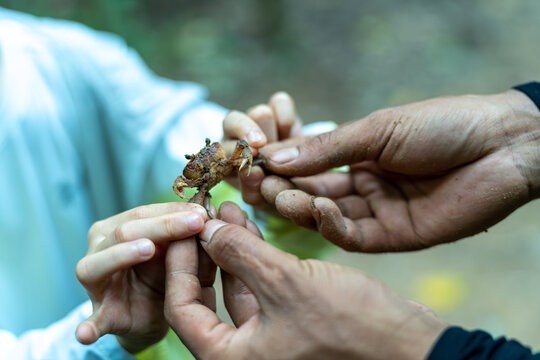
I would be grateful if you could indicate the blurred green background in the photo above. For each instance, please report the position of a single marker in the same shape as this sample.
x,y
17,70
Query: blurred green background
x,y
341,60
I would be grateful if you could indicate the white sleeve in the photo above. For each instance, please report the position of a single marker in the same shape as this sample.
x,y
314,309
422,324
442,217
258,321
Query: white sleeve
x,y
58,342
135,126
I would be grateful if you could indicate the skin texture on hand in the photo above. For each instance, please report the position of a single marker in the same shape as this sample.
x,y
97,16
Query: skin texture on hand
x,y
284,308
124,272
420,174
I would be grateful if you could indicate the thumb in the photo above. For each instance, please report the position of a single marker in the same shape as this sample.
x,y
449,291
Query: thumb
x,y
90,330
262,267
348,144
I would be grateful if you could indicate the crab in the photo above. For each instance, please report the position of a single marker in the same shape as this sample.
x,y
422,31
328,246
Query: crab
x,y
208,167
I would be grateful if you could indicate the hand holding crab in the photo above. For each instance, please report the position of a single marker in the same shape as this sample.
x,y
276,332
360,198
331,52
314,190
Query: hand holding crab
x,y
208,167
243,136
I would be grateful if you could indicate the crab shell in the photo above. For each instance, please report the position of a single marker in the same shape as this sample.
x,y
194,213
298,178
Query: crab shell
x,y
204,160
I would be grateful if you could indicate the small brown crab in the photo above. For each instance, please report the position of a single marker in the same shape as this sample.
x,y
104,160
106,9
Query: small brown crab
x,y
208,167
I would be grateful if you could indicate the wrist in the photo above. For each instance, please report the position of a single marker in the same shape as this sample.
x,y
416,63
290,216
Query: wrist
x,y
422,337
418,335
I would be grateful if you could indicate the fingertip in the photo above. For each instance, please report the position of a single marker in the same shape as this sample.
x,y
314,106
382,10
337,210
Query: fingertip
x,y
284,156
326,212
253,228
261,111
296,206
323,203
86,333
145,248
238,125
272,185
281,96
234,113
209,229
231,213
213,211
194,222
256,138
283,106
251,178
201,211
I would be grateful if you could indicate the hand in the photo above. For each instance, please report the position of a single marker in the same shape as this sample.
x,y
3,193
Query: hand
x,y
262,125
124,272
290,309
420,174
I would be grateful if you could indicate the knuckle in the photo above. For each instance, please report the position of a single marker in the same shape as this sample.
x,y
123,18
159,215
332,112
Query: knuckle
x,y
378,115
282,280
121,233
140,212
224,240
170,225
81,271
95,229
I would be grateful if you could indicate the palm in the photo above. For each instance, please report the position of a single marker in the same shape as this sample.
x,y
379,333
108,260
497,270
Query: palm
x,y
133,301
407,212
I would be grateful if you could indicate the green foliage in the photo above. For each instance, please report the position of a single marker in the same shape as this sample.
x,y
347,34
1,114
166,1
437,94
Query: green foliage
x,y
339,59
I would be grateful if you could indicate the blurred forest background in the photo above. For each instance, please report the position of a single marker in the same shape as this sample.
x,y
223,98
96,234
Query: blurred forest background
x,y
341,60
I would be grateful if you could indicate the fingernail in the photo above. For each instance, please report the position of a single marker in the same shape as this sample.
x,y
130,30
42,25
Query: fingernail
x,y
284,110
285,155
194,222
210,228
201,211
255,137
313,201
144,248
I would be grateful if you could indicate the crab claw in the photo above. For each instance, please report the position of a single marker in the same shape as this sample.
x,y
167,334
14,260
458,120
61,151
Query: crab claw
x,y
247,158
242,154
178,187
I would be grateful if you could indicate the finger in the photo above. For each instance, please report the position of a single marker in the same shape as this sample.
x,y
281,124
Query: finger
x,y
250,185
263,116
231,213
328,184
348,144
90,330
365,235
253,228
105,227
207,275
240,302
196,325
239,126
94,268
353,207
333,226
284,111
168,227
296,206
267,271
272,185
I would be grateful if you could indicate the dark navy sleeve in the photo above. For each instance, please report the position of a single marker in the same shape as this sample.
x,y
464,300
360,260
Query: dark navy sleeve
x,y
458,344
